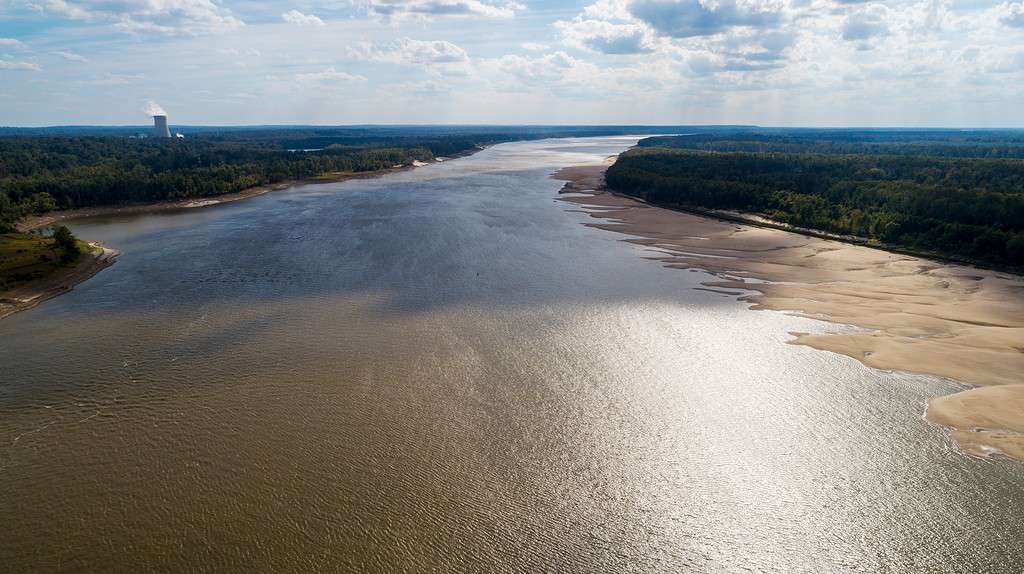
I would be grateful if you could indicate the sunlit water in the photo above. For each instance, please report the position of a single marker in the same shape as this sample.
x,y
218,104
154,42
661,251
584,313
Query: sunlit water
x,y
446,370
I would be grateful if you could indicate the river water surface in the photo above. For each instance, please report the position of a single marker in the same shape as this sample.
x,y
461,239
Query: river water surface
x,y
444,369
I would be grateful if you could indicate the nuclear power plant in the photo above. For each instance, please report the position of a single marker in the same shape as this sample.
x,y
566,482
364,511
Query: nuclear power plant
x,y
160,129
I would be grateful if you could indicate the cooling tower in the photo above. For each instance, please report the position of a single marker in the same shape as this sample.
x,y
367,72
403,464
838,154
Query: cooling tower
x,y
160,127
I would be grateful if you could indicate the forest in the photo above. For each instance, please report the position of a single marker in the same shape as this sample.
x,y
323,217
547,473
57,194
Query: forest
x,y
42,169
955,195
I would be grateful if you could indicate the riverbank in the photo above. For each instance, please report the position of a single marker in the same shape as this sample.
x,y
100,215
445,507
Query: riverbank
x,y
98,257
952,321
93,260
53,217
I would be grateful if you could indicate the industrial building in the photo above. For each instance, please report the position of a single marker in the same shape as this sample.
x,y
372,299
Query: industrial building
x,y
160,129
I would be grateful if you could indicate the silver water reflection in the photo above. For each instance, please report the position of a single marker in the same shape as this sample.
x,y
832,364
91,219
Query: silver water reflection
x,y
444,369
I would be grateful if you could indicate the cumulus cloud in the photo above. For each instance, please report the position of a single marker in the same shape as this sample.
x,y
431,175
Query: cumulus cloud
x,y
189,17
409,51
328,76
753,59
11,43
437,57
576,78
548,69
296,17
72,57
606,37
693,18
439,8
16,65
1012,14
866,24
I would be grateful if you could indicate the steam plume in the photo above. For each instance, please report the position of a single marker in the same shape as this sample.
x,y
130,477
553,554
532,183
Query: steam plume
x,y
153,109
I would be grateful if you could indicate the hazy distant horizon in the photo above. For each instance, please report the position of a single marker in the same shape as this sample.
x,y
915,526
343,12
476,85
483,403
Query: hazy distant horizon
x,y
145,126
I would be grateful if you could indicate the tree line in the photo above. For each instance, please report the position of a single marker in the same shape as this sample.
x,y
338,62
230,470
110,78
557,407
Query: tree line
x,y
968,207
42,169
39,174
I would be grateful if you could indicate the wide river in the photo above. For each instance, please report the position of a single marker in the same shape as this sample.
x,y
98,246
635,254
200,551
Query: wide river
x,y
445,369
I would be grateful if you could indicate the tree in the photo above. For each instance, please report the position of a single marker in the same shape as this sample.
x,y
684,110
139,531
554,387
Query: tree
x,y
64,239
40,203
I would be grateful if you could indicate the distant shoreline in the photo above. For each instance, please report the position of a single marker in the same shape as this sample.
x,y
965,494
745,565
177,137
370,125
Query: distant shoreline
x,y
918,315
54,217
98,258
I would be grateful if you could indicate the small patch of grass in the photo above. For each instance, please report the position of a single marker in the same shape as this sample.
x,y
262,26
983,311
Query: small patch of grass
x,y
26,257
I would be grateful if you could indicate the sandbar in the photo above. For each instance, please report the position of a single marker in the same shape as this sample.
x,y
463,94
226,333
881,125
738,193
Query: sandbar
x,y
918,315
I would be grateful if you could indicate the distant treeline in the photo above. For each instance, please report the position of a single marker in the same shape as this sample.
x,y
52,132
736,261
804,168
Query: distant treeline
x,y
38,174
42,169
929,143
947,196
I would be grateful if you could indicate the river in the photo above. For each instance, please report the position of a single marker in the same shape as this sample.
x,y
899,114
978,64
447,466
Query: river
x,y
445,369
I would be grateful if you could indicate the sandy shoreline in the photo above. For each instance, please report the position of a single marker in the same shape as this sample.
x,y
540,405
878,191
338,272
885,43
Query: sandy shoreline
x,y
28,296
922,316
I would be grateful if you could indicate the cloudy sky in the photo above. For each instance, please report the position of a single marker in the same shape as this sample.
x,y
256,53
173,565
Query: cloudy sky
x,y
768,62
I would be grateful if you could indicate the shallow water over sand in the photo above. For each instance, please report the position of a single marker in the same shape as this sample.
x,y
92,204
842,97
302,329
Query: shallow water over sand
x,y
444,369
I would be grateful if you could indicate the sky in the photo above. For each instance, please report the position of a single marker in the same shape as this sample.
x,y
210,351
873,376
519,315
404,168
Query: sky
x,y
927,63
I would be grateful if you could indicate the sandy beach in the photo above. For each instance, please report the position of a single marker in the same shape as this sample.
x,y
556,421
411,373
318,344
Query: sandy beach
x,y
917,315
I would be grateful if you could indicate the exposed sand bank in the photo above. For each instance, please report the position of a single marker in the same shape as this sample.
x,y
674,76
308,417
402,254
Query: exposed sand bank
x,y
941,319
27,296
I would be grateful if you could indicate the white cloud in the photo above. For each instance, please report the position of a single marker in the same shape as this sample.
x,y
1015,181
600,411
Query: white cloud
x,y
575,78
441,8
535,47
606,37
11,42
423,88
296,17
16,65
1012,14
190,17
693,18
328,76
409,51
436,57
244,52
109,79
864,25
72,57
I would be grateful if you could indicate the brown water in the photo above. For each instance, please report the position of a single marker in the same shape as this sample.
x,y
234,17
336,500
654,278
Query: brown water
x,y
445,370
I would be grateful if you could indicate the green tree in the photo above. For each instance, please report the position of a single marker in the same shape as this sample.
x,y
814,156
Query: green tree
x,y
39,203
64,239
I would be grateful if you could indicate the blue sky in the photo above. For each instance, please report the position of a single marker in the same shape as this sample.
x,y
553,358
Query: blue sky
x,y
768,62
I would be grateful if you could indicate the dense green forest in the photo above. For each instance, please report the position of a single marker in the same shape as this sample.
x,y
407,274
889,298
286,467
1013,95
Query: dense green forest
x,y
43,169
956,197
38,174
931,143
